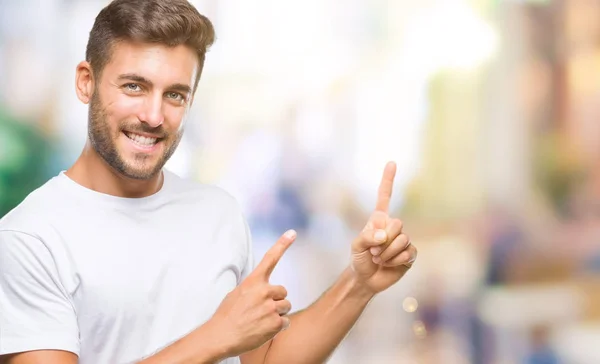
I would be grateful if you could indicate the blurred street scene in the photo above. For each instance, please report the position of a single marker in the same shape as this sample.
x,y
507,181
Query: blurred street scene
x,y
489,107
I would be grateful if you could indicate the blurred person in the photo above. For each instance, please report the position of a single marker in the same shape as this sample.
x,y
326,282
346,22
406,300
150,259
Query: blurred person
x,y
25,157
118,260
541,351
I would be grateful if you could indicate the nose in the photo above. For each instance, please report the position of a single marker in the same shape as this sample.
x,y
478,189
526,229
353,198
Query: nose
x,y
152,113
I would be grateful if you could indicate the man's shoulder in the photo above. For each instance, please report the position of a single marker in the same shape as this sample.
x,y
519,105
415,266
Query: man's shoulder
x,y
33,211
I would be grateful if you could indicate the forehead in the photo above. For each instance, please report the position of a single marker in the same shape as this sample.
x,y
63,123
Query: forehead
x,y
159,63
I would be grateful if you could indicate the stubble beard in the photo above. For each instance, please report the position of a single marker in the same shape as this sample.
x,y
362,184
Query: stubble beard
x,y
105,145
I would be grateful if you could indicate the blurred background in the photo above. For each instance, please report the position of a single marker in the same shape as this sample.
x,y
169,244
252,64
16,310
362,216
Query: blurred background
x,y
489,107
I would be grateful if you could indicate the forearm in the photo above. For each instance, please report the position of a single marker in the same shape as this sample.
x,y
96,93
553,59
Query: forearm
x,y
315,332
201,346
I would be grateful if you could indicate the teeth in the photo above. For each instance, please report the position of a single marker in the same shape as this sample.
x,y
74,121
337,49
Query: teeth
x,y
142,140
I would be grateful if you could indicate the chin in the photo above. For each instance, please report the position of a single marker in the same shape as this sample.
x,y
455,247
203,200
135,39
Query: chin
x,y
141,174
147,172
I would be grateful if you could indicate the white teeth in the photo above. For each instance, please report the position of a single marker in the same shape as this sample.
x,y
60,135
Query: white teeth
x,y
141,140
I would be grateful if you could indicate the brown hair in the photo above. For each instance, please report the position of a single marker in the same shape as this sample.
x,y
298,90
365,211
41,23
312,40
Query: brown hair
x,y
168,22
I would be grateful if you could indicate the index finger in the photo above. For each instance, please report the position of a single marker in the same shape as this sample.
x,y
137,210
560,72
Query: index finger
x,y
385,188
273,255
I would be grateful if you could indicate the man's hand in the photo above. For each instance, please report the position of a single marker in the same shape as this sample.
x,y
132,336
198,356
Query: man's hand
x,y
382,253
254,312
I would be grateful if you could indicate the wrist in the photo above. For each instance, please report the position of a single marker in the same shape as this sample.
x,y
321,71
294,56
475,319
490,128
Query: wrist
x,y
201,346
210,344
357,288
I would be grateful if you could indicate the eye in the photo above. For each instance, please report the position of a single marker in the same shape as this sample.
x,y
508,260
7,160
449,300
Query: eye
x,y
175,96
133,87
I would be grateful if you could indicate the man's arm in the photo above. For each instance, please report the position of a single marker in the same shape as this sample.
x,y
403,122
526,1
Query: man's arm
x,y
315,332
199,347
249,316
381,255
37,319
313,335
40,356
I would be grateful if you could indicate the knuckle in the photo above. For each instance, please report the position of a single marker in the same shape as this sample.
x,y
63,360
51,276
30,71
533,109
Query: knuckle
x,y
241,290
405,238
243,287
264,291
277,323
281,309
267,309
272,307
282,291
399,257
272,260
277,291
398,223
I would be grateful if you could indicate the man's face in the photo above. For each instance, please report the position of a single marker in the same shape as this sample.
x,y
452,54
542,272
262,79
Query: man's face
x,y
139,105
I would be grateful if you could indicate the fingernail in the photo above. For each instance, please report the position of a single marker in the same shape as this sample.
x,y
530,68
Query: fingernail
x,y
290,234
376,260
380,236
410,263
375,251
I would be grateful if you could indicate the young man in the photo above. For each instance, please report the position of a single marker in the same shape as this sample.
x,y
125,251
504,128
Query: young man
x,y
118,261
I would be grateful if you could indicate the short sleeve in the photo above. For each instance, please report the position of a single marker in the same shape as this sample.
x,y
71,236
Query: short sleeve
x,y
249,265
36,312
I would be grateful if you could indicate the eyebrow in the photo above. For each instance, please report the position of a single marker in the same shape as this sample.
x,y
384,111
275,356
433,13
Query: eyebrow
x,y
137,78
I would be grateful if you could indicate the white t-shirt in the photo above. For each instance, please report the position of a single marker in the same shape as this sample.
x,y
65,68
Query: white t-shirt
x,y
115,280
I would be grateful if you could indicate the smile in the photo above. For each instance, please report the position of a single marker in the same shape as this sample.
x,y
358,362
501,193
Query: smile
x,y
141,140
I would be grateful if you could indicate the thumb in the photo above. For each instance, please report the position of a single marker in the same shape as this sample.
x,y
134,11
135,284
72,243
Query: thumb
x,y
369,239
268,263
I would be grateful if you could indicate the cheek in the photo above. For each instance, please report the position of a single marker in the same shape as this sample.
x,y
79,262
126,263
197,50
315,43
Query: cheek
x,y
175,117
122,111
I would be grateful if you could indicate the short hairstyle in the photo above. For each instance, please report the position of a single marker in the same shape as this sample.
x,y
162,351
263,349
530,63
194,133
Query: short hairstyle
x,y
167,22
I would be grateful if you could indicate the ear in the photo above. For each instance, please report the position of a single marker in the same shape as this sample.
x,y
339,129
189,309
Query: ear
x,y
84,82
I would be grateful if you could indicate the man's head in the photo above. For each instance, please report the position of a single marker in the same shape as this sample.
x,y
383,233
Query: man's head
x,y
143,63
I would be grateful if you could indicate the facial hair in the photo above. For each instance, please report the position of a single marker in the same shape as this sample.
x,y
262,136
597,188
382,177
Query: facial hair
x,y
104,143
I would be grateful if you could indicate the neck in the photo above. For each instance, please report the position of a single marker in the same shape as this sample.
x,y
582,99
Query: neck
x,y
91,171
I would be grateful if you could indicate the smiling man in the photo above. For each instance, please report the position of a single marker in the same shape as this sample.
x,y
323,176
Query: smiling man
x,y
117,260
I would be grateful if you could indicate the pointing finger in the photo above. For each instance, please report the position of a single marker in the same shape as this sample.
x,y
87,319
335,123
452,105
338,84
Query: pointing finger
x,y
385,188
377,220
273,255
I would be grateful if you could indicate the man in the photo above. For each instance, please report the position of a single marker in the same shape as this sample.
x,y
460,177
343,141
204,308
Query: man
x,y
117,260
